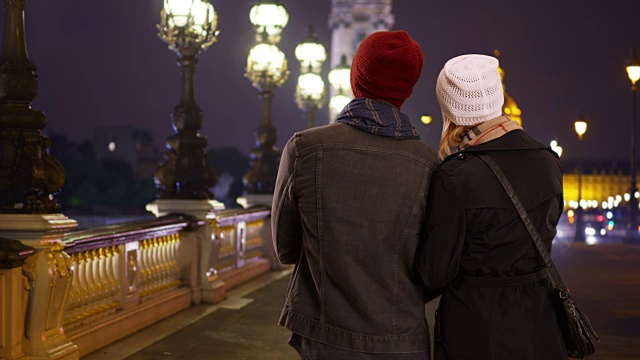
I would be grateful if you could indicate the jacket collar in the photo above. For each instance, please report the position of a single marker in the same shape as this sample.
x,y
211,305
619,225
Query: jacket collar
x,y
513,140
377,117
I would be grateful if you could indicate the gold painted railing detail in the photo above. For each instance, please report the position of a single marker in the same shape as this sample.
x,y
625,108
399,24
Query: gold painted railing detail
x,y
255,242
237,237
158,264
116,268
94,288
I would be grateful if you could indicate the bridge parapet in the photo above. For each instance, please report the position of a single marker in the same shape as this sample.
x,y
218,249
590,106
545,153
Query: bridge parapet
x,y
241,245
116,267
105,283
125,277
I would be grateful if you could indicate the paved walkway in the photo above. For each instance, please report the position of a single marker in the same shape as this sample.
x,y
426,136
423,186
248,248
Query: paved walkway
x,y
604,279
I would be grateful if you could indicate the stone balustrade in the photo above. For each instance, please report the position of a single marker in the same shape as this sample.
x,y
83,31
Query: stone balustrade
x,y
108,282
118,272
239,249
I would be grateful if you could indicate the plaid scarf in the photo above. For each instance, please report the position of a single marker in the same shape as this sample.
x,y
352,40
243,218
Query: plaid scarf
x,y
378,118
488,130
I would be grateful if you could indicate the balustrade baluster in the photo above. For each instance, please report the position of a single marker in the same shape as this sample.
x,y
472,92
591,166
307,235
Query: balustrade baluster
x,y
156,265
112,271
96,277
164,261
174,256
74,294
143,272
83,289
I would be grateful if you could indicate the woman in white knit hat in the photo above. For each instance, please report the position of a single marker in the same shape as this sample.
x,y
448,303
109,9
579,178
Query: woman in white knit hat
x,y
478,254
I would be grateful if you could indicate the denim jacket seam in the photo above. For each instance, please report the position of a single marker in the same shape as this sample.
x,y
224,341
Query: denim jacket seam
x,y
336,329
315,148
405,233
320,234
282,200
295,163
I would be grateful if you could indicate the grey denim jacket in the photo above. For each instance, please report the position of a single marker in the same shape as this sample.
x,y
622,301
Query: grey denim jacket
x,y
348,210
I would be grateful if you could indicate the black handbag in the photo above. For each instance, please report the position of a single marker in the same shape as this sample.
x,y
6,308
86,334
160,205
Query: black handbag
x,y
578,334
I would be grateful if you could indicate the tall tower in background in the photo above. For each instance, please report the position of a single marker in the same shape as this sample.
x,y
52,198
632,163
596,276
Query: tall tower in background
x,y
351,21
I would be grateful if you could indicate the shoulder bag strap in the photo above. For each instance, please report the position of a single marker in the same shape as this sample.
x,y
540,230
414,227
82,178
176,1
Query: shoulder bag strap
x,y
542,250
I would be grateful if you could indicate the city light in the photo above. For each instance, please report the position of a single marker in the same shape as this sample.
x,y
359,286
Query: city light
x,y
581,127
310,91
556,148
340,80
269,18
633,68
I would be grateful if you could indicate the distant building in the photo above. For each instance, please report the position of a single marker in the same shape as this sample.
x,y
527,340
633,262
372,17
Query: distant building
x,y
605,183
128,144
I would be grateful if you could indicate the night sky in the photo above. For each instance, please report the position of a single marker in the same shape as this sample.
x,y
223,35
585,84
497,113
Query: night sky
x,y
101,62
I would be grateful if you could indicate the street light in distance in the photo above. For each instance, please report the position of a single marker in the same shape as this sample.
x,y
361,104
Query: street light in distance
x,y
267,70
581,128
556,148
633,70
310,91
340,80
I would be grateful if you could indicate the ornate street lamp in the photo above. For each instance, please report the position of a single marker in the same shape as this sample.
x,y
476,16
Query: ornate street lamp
x,y
581,128
310,92
267,69
189,27
340,80
633,70
29,177
268,17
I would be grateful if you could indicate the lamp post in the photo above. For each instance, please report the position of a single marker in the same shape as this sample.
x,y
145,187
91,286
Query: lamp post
x,y
29,177
267,69
633,70
340,80
310,91
581,129
189,27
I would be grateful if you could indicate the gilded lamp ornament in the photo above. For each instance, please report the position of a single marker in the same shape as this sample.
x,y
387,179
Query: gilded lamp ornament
x,y
189,27
266,69
29,177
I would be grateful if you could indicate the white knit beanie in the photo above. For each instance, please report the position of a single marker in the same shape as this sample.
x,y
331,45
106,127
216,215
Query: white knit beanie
x,y
469,90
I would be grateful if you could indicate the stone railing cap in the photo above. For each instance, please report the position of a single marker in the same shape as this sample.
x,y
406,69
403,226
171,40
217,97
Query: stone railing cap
x,y
13,253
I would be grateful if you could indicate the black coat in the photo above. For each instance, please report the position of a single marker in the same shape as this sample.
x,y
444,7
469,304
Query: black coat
x,y
473,230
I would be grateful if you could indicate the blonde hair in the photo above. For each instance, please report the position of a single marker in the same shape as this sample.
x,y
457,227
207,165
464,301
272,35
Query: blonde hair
x,y
452,136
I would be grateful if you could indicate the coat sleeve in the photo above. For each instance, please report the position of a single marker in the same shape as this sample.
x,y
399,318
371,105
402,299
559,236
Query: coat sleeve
x,y
438,257
286,225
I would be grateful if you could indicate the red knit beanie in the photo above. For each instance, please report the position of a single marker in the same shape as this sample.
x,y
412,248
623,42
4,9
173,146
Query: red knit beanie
x,y
386,66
